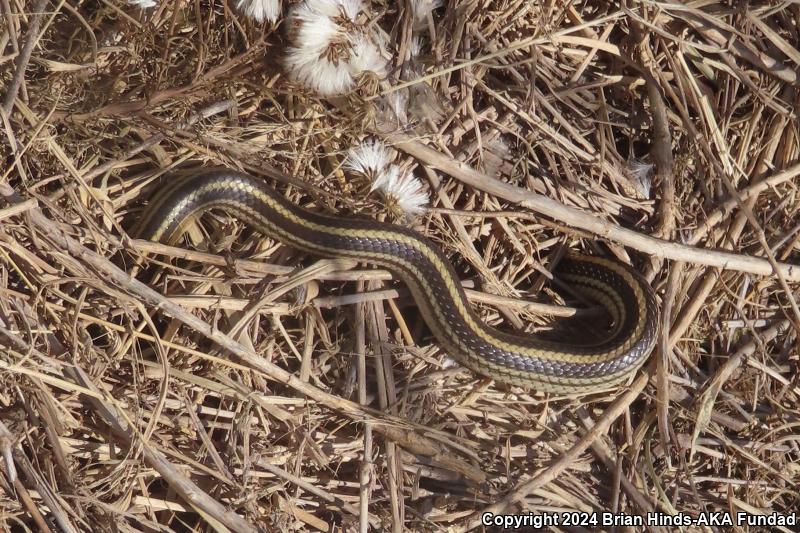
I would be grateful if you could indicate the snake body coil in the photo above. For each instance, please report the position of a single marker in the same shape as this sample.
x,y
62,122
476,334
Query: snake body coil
x,y
511,358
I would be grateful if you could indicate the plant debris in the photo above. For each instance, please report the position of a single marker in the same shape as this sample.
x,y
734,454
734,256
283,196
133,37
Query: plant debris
x,y
231,382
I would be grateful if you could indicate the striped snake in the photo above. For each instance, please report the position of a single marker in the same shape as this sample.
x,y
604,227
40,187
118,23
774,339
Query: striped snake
x,y
541,364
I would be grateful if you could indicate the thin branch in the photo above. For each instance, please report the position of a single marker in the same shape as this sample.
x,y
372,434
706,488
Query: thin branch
x,y
24,56
585,221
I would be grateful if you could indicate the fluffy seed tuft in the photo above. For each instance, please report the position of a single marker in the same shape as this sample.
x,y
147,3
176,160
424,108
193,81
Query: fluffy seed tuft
x,y
641,174
366,56
330,50
401,190
143,4
370,158
260,10
422,8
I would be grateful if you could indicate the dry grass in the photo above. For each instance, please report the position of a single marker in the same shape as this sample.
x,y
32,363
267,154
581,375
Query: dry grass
x,y
249,393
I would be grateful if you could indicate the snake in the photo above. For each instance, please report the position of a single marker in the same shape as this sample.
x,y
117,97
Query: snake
x,y
550,365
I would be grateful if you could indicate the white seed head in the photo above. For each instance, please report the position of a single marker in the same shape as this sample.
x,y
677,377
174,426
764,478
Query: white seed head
x,y
421,8
402,189
366,56
352,8
143,4
315,31
370,158
322,75
328,54
260,10
336,8
313,60
397,101
641,174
